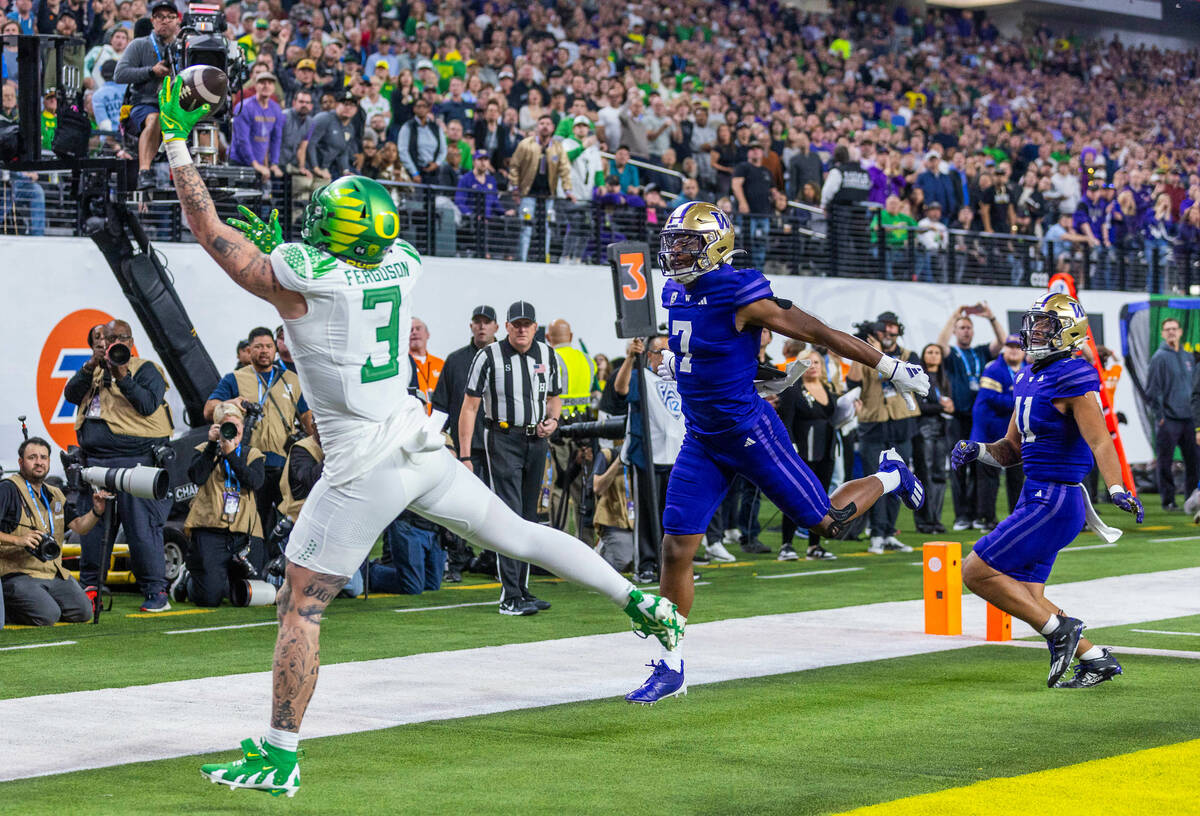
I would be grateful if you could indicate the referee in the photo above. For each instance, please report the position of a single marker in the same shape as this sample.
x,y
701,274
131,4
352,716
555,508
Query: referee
x,y
518,382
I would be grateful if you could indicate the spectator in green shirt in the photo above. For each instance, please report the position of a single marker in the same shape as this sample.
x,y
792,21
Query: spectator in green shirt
x,y
895,224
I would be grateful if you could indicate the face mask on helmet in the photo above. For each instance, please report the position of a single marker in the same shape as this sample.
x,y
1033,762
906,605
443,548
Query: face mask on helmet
x,y
1041,333
679,252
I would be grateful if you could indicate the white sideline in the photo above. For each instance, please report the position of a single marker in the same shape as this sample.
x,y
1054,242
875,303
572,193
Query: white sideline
x,y
162,720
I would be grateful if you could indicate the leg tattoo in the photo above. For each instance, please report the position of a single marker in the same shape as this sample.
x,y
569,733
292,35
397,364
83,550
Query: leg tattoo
x,y
302,600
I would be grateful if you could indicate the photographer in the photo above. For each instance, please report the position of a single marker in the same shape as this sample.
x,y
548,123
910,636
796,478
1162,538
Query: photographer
x,y
33,520
143,65
223,520
612,482
267,384
122,419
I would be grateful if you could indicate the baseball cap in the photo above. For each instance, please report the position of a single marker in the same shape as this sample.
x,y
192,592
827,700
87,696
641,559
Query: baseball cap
x,y
582,120
480,154
486,311
521,310
506,72
345,96
424,63
306,63
107,70
160,4
932,154
267,75
261,23
1013,340
932,204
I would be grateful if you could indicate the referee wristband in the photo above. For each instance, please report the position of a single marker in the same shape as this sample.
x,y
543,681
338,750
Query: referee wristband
x,y
464,458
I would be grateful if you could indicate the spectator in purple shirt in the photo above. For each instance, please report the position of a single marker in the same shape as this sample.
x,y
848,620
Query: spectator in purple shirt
x,y
258,130
477,192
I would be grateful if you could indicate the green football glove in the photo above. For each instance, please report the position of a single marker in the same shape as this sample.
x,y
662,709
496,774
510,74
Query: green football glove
x,y
264,236
175,122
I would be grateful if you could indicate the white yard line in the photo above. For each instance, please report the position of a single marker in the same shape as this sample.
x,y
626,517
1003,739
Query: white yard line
x,y
1178,538
447,606
143,723
810,572
1165,632
220,628
38,645
1118,650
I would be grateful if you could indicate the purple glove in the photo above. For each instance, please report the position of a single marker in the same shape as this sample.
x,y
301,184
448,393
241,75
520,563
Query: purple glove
x,y
964,453
1126,501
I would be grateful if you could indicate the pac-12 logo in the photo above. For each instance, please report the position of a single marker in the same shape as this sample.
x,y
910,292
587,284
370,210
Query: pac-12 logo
x,y
64,353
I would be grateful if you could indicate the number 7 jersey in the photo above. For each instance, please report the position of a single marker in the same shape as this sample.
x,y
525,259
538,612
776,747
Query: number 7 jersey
x,y
351,352
1052,449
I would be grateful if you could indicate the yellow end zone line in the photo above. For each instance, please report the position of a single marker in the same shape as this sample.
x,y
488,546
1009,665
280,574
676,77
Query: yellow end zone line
x,y
1157,780
168,614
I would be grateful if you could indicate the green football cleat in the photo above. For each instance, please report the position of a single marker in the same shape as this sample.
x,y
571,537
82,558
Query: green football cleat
x,y
261,767
653,615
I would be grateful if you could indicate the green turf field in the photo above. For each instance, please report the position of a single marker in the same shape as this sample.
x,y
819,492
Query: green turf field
x,y
820,741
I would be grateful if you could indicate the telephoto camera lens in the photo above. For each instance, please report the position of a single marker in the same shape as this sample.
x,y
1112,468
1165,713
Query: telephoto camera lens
x,y
229,431
119,354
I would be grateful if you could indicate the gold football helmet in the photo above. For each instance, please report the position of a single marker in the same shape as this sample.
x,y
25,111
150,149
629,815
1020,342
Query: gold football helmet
x,y
697,238
1055,322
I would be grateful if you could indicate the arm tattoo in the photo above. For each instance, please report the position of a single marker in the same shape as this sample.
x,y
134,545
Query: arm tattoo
x,y
1004,452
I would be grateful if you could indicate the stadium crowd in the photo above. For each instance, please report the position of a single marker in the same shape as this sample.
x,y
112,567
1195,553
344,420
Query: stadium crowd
x,y
1080,144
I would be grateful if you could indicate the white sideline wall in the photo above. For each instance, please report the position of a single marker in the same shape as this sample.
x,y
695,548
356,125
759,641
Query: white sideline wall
x,y
47,279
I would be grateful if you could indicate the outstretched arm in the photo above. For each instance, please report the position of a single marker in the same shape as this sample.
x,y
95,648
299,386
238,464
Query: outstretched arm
x,y
242,261
800,325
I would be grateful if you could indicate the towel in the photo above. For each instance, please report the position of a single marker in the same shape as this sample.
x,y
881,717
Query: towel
x,y
1095,524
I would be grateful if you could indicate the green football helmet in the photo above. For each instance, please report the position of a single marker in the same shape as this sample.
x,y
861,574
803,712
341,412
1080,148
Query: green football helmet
x,y
352,218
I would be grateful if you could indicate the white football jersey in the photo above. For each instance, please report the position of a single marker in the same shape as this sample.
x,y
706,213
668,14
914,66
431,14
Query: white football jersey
x,y
351,352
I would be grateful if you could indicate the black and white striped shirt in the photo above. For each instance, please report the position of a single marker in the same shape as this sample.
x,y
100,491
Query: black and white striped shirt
x,y
514,387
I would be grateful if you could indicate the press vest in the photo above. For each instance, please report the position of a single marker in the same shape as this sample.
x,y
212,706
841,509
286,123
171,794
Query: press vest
x,y
208,506
18,559
856,184
278,404
289,506
578,370
876,407
118,413
612,507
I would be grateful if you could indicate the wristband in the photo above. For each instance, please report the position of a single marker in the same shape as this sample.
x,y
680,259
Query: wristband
x,y
177,153
1113,490
986,457
882,366
464,458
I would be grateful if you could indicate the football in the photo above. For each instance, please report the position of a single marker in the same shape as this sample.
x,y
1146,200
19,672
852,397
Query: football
x,y
202,84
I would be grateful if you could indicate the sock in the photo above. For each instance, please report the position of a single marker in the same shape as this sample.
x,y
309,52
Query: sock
x,y
287,741
1092,653
673,657
1051,625
890,479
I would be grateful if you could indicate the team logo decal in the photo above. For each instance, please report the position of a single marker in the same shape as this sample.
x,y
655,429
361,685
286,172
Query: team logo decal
x,y
64,352
669,394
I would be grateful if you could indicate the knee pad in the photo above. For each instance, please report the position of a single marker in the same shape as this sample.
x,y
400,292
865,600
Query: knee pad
x,y
841,517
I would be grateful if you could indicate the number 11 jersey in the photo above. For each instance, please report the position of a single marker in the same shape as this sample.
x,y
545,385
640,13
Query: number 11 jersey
x,y
351,352
1052,449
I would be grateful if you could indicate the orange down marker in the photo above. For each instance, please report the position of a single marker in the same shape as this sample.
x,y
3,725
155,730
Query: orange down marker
x,y
943,587
999,624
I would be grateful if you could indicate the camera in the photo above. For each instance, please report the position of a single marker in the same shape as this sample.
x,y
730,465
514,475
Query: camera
x,y
229,431
139,480
47,548
591,429
202,41
118,354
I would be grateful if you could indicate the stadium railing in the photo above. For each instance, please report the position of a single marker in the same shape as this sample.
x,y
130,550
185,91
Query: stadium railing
x,y
844,241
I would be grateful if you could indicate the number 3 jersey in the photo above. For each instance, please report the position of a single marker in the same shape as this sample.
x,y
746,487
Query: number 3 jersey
x,y
715,363
1052,449
351,352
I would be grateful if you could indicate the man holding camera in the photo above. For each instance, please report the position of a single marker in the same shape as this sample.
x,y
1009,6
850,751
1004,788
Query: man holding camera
x,y
143,65
121,421
34,517
223,521
267,384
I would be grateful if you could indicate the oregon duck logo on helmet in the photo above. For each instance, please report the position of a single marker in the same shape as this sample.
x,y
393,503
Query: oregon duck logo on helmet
x,y
1054,323
352,218
697,238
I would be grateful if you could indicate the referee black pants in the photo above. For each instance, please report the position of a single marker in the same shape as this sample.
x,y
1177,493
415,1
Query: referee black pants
x,y
516,464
